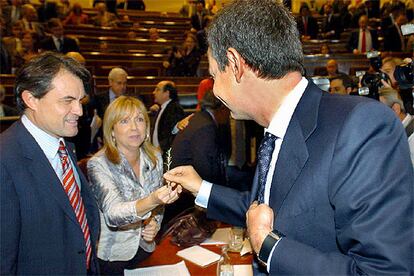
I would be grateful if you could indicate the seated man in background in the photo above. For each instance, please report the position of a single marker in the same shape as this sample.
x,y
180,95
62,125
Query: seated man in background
x,y
330,70
104,18
342,85
58,42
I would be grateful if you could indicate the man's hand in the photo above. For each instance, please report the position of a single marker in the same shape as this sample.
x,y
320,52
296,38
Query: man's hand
x,y
259,221
185,176
184,122
154,108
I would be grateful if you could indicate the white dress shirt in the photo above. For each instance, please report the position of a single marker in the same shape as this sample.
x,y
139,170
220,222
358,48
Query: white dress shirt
x,y
49,146
155,141
407,120
368,40
58,41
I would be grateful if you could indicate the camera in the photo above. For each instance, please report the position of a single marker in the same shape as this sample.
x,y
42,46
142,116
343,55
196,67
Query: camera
x,y
371,82
403,74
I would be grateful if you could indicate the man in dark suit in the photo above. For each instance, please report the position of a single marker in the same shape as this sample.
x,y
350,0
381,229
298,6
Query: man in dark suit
x,y
204,144
334,181
307,24
57,42
364,39
394,40
199,20
47,10
49,219
169,113
12,13
331,25
117,79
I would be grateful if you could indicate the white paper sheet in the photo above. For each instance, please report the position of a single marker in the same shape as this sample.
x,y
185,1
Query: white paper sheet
x,y
199,255
243,270
247,247
178,269
220,236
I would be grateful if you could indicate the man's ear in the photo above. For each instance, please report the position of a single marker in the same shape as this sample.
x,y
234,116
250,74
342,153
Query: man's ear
x,y
29,100
236,63
396,108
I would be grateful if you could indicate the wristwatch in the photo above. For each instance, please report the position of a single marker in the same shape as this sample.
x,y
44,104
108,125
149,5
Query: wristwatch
x,y
271,239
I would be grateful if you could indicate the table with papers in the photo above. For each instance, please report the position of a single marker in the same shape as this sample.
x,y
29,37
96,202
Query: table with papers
x,y
169,263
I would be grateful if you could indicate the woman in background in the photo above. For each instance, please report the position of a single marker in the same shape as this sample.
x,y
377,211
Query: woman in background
x,y
126,179
76,16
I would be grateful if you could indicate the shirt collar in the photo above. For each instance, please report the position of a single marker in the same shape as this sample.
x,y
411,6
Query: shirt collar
x,y
56,39
112,95
47,142
165,104
407,120
280,121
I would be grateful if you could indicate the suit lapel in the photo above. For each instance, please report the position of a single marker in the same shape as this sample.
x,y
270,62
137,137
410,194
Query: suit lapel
x,y
43,173
294,153
292,157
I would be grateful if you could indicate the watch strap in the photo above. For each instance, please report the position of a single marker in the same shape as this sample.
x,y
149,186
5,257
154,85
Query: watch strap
x,y
269,242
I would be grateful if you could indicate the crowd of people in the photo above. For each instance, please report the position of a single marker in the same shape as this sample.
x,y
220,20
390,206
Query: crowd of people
x,y
331,183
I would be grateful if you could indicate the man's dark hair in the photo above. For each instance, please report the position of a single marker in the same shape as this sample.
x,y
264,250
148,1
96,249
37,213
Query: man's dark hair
x,y
263,32
37,75
170,86
210,101
53,23
302,7
346,80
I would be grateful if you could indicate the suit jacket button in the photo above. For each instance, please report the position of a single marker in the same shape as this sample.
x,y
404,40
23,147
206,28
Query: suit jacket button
x,y
81,252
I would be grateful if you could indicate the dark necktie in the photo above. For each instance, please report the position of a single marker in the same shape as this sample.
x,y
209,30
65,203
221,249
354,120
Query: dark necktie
x,y
60,44
264,157
72,190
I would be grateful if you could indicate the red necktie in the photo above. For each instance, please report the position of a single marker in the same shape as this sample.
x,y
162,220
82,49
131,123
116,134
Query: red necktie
x,y
72,190
363,43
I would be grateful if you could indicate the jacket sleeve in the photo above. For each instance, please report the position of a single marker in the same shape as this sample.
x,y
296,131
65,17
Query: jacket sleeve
x,y
10,224
371,193
117,212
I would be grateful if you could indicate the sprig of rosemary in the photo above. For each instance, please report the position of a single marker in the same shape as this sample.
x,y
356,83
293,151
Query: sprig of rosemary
x,y
169,159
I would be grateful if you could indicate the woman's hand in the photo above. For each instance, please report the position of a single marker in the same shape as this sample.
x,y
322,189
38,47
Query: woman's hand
x,y
149,230
166,194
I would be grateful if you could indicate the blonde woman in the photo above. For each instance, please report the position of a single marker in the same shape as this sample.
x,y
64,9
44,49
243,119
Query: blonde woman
x,y
126,179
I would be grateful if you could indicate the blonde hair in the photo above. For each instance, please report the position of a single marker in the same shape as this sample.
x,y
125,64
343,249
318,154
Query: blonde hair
x,y
116,111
